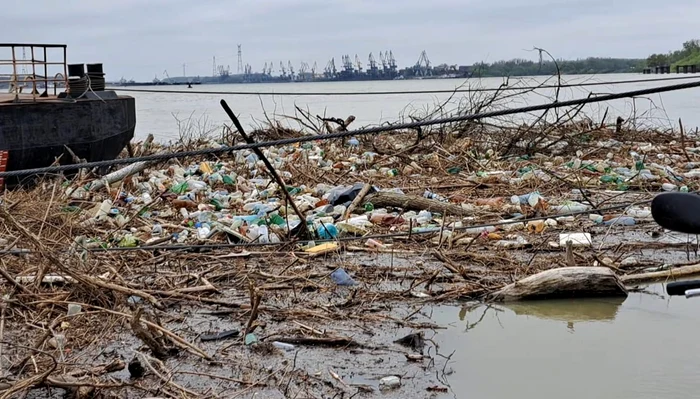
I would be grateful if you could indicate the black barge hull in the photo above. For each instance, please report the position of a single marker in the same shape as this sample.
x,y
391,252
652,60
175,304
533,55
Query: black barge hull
x,y
35,133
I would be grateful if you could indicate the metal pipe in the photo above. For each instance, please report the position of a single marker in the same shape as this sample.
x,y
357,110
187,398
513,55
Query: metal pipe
x,y
692,293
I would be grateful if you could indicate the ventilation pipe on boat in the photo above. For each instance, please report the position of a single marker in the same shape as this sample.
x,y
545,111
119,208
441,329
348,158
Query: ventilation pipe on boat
x,y
97,77
76,70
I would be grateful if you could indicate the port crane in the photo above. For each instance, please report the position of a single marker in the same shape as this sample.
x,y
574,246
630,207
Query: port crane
x,y
347,64
422,67
291,70
373,70
330,71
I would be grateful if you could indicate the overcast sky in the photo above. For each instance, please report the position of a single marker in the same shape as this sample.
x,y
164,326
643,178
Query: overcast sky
x,y
141,38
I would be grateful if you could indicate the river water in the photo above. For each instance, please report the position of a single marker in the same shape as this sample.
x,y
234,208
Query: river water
x,y
640,347
158,113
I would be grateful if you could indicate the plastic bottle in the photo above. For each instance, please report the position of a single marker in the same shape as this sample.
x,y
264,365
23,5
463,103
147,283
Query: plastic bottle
x,y
424,217
385,219
479,230
182,236
327,231
196,185
264,234
431,195
157,230
390,382
203,231
283,345
669,187
105,207
253,232
595,218
621,220
251,159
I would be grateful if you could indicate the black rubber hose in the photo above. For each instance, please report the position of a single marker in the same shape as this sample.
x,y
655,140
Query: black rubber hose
x,y
680,287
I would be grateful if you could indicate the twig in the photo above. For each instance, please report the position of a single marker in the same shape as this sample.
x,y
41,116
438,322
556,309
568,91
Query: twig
x,y
168,380
85,279
255,298
685,152
358,199
144,335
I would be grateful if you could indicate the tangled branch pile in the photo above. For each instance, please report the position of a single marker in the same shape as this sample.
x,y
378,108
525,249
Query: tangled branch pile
x,y
98,302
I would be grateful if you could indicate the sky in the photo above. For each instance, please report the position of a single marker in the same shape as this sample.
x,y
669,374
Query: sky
x,y
140,39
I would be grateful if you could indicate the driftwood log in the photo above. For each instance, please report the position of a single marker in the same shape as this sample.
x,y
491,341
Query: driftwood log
x,y
414,203
119,175
652,277
565,282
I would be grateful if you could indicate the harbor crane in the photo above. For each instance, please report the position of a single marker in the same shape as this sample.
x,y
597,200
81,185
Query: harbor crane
x,y
373,70
392,61
330,71
347,64
283,70
422,67
358,64
291,70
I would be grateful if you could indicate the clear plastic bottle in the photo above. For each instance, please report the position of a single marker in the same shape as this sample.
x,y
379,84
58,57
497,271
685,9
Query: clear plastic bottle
x,y
203,231
264,234
621,220
156,230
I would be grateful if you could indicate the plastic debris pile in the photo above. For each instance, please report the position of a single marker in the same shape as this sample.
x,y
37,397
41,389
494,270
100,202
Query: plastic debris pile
x,y
232,199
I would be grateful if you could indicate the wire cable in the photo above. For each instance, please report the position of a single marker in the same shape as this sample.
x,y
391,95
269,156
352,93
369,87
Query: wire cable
x,y
401,92
359,132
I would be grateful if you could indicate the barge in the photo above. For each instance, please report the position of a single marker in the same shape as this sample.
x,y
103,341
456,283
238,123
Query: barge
x,y
42,126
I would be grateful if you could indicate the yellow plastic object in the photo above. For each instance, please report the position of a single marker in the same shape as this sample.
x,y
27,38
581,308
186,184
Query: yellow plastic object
x,y
322,248
205,168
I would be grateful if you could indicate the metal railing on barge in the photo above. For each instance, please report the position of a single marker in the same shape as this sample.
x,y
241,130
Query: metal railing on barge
x,y
34,66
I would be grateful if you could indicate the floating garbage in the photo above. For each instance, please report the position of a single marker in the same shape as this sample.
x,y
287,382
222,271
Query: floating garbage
x,y
341,277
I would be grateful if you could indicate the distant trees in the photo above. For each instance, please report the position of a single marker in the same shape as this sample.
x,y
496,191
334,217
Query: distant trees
x,y
591,65
688,54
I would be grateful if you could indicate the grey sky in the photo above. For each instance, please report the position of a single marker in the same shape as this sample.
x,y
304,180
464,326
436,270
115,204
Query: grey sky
x,y
141,38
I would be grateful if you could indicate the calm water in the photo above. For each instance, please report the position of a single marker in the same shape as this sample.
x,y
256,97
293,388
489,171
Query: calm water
x,y
158,113
645,346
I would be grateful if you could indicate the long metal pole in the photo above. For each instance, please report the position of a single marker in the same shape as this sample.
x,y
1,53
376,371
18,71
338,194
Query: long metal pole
x,y
270,168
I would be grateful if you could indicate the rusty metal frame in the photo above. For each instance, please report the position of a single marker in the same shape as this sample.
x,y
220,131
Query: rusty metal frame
x,y
36,66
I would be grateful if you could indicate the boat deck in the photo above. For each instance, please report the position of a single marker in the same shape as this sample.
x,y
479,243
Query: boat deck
x,y
9,98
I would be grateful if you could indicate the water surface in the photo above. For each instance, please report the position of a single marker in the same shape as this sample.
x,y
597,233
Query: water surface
x,y
644,346
158,113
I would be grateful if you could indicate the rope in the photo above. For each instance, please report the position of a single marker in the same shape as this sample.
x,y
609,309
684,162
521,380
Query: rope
x,y
341,239
359,132
385,93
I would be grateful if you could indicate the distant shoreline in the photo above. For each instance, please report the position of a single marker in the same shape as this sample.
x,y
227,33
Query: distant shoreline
x,y
279,80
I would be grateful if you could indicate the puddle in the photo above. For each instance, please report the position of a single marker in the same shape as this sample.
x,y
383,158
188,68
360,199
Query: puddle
x,y
644,346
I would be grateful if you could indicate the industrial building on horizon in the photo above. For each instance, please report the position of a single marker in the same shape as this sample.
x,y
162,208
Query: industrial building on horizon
x,y
349,70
